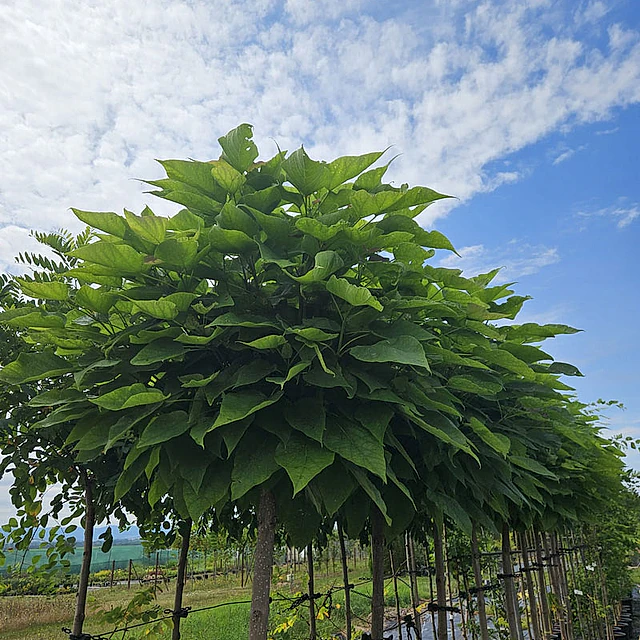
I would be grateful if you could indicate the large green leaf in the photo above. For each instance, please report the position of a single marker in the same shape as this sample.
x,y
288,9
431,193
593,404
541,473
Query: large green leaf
x,y
305,174
126,422
472,384
353,294
326,263
130,474
315,228
565,369
532,465
253,463
506,360
108,222
133,395
240,404
252,372
189,172
334,485
121,257
158,351
232,319
214,487
302,459
226,176
231,241
347,167
239,149
356,444
308,416
272,341
32,318
44,290
371,490
162,309
497,441
34,366
403,350
312,334
532,332
232,217
178,252
95,299
149,228
291,374
164,427
184,220
375,417
56,397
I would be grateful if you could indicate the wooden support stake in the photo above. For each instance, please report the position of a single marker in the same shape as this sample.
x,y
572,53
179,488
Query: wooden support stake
x,y
345,579
477,574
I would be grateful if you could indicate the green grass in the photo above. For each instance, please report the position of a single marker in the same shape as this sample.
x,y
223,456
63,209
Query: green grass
x,y
41,617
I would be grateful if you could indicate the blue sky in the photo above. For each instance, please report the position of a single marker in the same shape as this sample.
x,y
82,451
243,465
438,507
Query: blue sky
x,y
527,111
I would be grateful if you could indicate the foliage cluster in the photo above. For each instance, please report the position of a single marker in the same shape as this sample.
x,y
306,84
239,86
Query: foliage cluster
x,y
286,332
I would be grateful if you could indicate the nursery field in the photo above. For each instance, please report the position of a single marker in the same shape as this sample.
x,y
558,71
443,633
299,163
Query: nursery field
x,y
42,617
120,554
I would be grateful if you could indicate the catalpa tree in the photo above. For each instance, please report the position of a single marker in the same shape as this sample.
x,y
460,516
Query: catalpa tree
x,y
279,347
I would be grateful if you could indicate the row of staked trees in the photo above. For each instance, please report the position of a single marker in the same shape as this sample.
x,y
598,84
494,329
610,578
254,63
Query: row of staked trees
x,y
283,352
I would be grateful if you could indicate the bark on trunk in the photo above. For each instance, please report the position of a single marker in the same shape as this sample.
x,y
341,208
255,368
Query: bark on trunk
x,y
181,579
477,574
312,590
533,603
510,597
259,619
377,553
345,579
83,582
413,579
441,581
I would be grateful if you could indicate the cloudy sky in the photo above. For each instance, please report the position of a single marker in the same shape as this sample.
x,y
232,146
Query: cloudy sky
x,y
527,111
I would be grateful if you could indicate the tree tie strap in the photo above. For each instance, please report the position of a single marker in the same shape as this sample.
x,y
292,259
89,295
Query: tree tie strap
x,y
432,606
180,613
81,636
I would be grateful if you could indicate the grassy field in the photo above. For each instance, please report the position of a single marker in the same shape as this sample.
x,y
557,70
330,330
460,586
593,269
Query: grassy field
x,y
41,617
120,553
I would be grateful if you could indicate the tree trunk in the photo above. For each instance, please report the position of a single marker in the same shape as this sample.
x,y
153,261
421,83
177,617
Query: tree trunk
x,y
413,580
345,579
441,581
259,619
181,578
377,552
83,582
477,574
533,603
312,590
510,597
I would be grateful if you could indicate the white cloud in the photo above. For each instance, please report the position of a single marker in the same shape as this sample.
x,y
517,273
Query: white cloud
x,y
622,213
517,259
607,132
92,93
565,154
